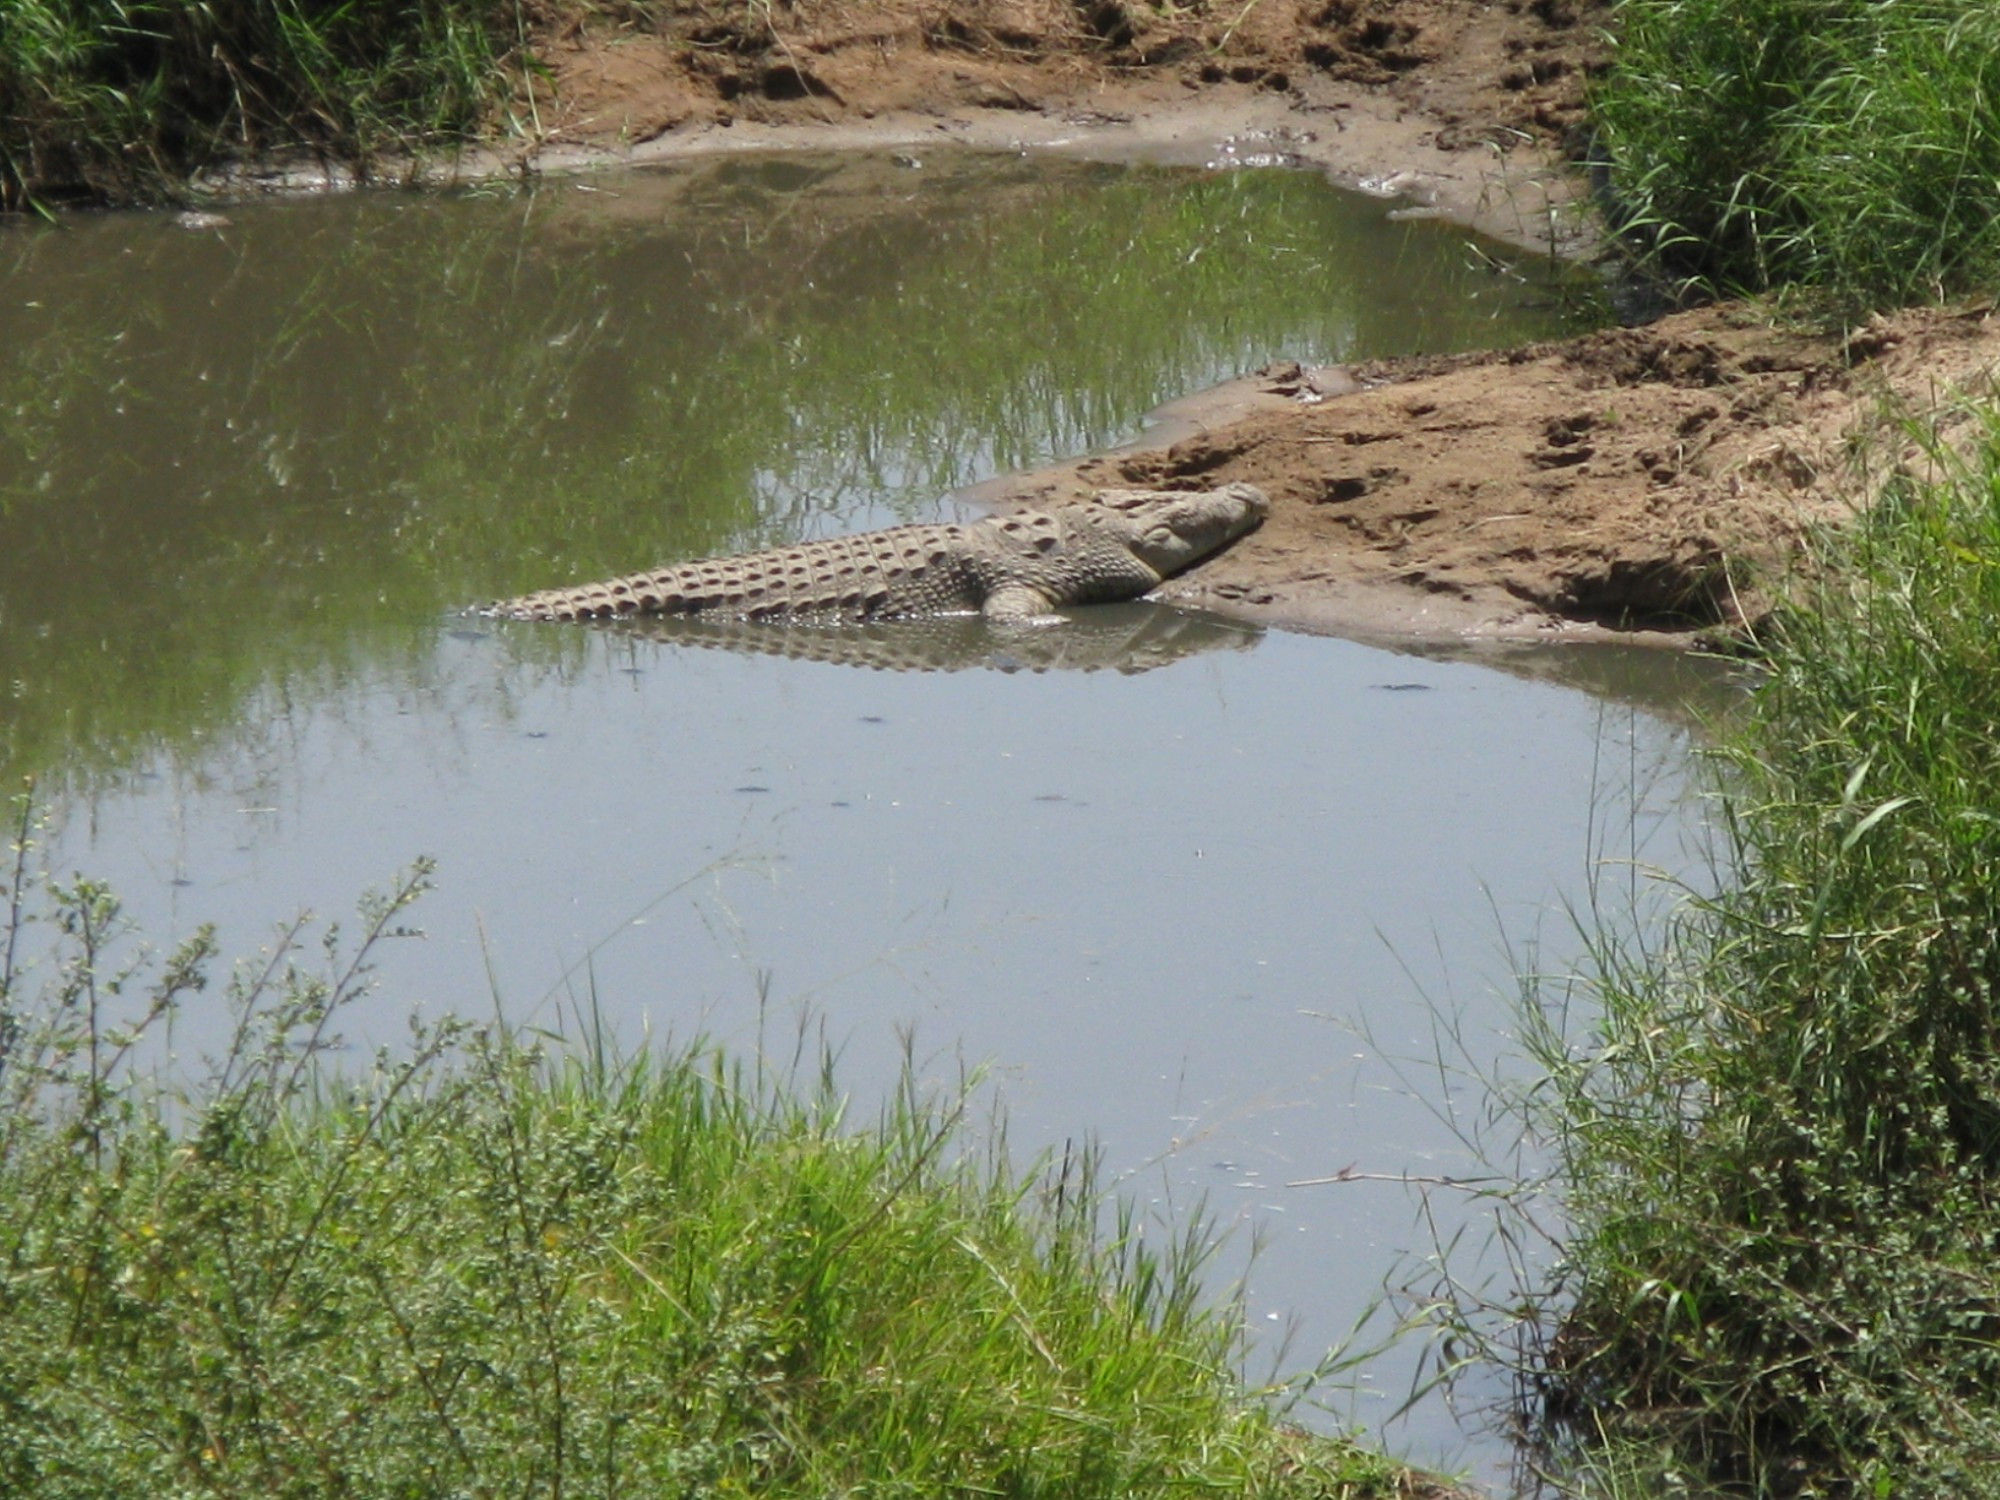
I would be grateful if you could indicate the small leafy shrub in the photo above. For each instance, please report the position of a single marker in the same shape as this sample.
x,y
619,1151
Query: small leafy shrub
x,y
474,1269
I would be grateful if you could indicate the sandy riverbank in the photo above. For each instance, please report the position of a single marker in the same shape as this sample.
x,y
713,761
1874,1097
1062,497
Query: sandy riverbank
x,y
1654,478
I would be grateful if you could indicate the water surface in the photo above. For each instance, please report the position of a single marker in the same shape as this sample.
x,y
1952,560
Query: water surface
x,y
280,447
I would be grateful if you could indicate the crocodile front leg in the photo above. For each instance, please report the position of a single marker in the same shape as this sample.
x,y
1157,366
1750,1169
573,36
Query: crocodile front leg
x,y
1017,603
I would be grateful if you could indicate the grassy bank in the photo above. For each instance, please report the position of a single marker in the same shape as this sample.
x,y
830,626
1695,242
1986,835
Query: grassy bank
x,y
472,1269
121,100
1850,146
1779,1131
1783,1139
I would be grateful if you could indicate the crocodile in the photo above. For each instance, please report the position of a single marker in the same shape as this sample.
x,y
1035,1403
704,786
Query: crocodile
x,y
1016,567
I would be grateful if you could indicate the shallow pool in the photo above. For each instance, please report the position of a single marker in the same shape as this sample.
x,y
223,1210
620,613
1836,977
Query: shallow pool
x,y
1239,907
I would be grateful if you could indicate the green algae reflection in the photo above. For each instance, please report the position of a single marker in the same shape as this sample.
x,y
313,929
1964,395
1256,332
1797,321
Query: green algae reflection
x,y
282,449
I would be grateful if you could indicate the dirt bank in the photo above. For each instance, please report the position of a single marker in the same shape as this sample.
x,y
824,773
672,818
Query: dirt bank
x,y
1657,478
1654,478
1445,103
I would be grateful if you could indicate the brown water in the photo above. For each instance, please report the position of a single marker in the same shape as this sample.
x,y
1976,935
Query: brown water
x,y
1238,906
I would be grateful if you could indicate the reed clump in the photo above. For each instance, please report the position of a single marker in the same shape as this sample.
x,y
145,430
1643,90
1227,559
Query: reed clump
x,y
475,1268
1848,146
124,100
1781,1134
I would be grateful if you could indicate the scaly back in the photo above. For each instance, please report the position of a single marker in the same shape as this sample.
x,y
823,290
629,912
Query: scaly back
x,y
874,575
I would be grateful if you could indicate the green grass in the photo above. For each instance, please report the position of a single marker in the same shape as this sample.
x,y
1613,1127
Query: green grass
x,y
1781,1137
1847,146
123,100
477,1268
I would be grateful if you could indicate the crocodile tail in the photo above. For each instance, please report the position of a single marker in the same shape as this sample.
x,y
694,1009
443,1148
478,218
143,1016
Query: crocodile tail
x,y
906,570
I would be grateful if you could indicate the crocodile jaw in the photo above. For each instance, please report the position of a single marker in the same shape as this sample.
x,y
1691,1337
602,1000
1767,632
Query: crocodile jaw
x,y
1172,532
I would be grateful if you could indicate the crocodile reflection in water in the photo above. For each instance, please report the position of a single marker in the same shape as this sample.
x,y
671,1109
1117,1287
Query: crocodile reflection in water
x,y
1127,638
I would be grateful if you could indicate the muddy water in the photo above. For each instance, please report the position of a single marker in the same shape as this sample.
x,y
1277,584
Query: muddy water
x,y
1222,902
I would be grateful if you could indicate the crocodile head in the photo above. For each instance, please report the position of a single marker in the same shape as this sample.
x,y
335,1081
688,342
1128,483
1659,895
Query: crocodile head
x,y
1169,531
